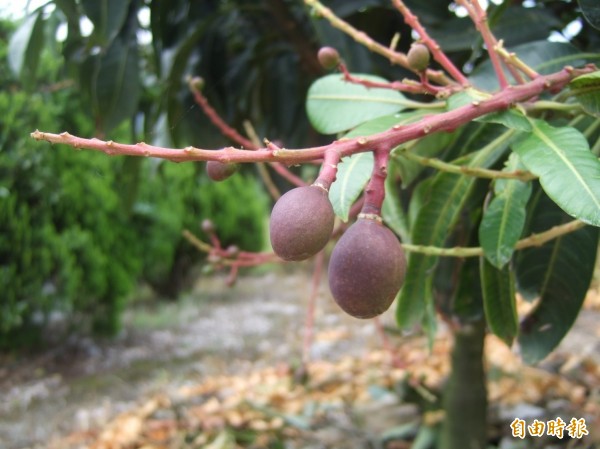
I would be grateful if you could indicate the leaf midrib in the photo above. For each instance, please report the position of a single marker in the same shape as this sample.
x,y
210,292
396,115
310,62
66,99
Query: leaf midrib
x,y
539,133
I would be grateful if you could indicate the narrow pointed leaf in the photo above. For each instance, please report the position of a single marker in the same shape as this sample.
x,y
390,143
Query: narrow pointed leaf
x,y
591,12
392,212
334,105
587,90
111,80
559,272
436,218
108,16
498,288
503,220
24,47
568,171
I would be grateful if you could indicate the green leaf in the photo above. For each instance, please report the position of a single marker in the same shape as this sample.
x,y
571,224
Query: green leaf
x,y
543,56
591,12
504,218
353,174
392,212
108,17
428,146
512,118
25,46
498,287
436,218
560,272
111,79
587,90
355,171
568,171
334,105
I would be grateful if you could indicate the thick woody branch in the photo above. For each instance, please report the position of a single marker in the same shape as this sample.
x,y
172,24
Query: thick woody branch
x,y
447,121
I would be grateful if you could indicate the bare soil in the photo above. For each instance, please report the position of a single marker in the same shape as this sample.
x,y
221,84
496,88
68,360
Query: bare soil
x,y
82,384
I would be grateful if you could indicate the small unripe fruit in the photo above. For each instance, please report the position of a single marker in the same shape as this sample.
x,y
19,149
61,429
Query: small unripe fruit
x,y
232,251
329,58
301,223
207,226
197,82
219,171
366,269
418,57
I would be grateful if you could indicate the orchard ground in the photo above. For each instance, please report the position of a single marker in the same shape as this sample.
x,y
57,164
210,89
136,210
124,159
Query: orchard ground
x,y
224,358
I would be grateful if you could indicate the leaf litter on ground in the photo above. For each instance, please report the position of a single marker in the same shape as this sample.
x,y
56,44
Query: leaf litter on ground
x,y
266,406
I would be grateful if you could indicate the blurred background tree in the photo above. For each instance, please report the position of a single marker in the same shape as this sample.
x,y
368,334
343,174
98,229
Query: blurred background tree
x,y
78,231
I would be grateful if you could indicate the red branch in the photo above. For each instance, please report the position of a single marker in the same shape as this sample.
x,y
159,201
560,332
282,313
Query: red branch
x,y
434,48
447,121
329,168
232,133
375,190
479,17
309,323
425,87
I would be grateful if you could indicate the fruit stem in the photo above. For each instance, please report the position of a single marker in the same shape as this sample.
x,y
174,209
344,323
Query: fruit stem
x,y
329,168
375,191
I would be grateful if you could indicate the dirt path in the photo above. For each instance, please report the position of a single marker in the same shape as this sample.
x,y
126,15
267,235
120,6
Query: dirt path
x,y
213,331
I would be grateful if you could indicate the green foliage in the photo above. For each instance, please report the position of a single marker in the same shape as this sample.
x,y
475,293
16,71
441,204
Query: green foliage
x,y
587,90
591,11
334,105
558,273
175,197
446,198
504,218
568,170
440,210
499,300
63,243
78,230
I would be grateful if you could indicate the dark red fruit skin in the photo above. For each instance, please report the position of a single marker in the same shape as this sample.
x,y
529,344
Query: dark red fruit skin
x,y
219,171
301,223
366,269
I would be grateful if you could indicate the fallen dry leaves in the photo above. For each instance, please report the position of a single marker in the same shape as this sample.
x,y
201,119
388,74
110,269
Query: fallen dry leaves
x,y
283,402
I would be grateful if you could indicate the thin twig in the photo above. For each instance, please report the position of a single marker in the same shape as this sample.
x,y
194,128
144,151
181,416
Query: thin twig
x,y
309,324
511,59
413,21
242,259
532,240
362,38
408,86
476,172
479,18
